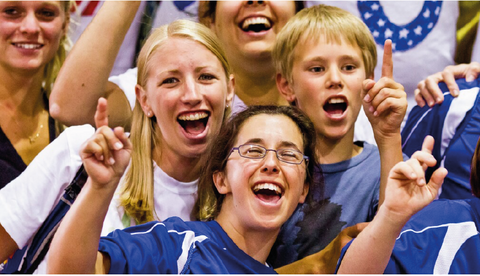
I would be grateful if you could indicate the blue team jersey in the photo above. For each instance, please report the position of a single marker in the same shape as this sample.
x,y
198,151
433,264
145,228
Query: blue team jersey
x,y
442,238
179,247
455,125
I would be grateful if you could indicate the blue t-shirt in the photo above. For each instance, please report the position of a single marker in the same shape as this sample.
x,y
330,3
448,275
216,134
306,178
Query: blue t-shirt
x,y
441,238
351,196
179,247
455,125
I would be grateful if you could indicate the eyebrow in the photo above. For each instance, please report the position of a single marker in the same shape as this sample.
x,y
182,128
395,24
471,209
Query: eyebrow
x,y
282,143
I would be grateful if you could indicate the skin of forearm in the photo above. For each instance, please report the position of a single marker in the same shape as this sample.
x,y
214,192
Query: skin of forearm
x,y
8,245
88,65
75,245
375,242
390,149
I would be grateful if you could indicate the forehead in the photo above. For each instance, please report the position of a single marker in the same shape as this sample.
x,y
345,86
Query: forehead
x,y
311,46
35,4
181,53
271,129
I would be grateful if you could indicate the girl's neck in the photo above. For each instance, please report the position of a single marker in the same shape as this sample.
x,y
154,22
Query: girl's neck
x,y
257,244
21,93
178,167
258,90
255,81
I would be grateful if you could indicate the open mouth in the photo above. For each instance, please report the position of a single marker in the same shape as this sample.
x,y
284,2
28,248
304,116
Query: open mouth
x,y
194,123
255,24
29,46
335,106
268,192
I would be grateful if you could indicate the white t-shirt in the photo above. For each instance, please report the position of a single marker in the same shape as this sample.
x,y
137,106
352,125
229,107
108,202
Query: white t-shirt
x,y
26,202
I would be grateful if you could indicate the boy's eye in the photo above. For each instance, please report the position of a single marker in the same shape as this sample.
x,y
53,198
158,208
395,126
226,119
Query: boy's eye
x,y
349,67
317,69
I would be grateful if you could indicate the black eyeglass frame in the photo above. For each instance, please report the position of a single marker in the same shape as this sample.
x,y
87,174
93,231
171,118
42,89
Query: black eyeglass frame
x,y
304,157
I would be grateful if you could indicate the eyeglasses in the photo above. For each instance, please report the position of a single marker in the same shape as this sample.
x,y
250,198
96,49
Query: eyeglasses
x,y
289,156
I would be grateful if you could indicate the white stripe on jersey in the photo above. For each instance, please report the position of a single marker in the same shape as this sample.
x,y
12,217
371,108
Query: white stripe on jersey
x,y
188,242
455,237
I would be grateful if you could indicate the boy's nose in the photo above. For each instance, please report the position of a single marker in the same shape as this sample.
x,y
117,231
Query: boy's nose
x,y
334,78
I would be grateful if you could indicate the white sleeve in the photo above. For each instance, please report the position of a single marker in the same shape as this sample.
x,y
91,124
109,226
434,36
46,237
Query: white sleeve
x,y
127,82
26,201
456,113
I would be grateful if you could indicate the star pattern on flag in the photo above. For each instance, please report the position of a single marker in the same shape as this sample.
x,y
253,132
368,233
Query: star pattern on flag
x,y
403,37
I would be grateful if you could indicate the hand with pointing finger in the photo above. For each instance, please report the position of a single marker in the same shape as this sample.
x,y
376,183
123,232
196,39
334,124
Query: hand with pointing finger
x,y
107,153
407,191
385,101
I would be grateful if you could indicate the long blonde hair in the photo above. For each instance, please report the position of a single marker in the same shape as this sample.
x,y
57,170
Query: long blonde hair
x,y
53,67
137,193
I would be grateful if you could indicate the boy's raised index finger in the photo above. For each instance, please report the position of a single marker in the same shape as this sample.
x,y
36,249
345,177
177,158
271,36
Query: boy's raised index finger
x,y
387,65
101,114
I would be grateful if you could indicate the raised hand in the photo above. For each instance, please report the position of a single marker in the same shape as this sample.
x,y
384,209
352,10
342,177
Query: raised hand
x,y
428,92
385,101
107,153
406,191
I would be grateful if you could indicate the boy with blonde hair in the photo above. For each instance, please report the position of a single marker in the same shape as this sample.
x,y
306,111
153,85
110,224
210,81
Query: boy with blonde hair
x,y
325,59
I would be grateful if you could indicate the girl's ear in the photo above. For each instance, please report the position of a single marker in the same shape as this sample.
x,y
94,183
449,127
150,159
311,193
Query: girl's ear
x,y
230,90
142,99
285,89
220,183
306,188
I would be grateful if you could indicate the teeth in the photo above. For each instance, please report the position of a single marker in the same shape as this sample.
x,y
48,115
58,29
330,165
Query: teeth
x,y
28,46
193,117
255,21
336,101
267,186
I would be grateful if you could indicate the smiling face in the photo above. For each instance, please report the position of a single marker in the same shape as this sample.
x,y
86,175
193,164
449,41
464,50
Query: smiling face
x,y
261,194
326,84
187,91
248,28
30,33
